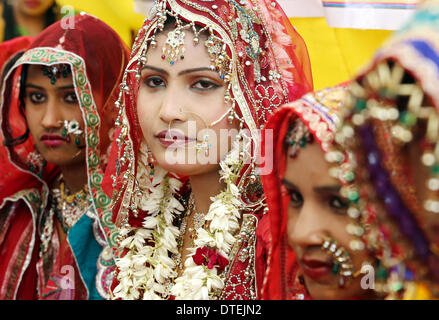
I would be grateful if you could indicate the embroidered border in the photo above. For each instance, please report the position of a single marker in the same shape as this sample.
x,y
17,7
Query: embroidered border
x,y
49,56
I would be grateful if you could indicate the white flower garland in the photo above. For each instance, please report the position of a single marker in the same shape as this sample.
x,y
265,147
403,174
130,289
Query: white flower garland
x,y
145,268
148,268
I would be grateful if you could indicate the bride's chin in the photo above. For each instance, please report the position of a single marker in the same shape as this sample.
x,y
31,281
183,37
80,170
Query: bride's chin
x,y
188,169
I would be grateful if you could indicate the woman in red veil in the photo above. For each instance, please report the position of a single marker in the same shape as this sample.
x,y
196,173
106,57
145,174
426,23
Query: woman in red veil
x,y
187,230
8,54
11,47
57,115
311,255
388,164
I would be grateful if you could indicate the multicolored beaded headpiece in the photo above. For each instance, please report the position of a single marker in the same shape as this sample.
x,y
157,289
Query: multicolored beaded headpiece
x,y
386,108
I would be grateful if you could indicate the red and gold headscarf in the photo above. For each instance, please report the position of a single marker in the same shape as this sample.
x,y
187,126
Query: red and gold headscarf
x,y
97,61
256,50
319,112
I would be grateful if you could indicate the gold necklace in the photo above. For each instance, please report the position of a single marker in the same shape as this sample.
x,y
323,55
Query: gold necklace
x,y
198,221
71,207
68,208
81,194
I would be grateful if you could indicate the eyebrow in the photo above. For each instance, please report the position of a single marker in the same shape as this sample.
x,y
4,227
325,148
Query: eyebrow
x,y
30,85
289,184
156,69
323,189
326,189
196,70
159,70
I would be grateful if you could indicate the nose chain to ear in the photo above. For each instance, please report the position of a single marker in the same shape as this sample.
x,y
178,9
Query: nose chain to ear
x,y
206,145
214,123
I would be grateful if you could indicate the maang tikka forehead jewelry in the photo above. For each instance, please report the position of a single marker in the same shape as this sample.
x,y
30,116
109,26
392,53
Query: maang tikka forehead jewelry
x,y
55,72
174,48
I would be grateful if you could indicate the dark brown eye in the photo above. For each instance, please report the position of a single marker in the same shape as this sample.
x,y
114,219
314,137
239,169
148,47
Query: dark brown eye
x,y
155,82
338,203
70,98
205,85
296,199
37,97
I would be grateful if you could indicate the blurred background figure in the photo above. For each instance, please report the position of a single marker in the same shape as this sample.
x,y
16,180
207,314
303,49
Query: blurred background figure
x,y
143,6
336,51
122,16
26,17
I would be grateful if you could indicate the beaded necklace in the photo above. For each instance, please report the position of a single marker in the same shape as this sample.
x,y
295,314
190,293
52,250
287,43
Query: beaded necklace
x,y
68,208
198,221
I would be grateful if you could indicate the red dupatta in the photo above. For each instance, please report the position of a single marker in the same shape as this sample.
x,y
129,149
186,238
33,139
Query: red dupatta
x,y
318,111
284,51
9,48
285,76
87,48
8,51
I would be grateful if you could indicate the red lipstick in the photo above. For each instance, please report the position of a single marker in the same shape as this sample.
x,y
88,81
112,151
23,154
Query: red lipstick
x,y
316,269
33,4
54,140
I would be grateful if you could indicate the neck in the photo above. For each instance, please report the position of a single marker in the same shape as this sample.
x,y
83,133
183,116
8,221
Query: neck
x,y
33,24
203,188
75,176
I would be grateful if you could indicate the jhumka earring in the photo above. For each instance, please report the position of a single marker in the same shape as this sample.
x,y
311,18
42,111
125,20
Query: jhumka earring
x,y
342,262
72,127
36,162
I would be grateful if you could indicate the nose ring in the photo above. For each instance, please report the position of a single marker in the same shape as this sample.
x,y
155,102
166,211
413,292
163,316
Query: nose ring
x,y
72,127
342,262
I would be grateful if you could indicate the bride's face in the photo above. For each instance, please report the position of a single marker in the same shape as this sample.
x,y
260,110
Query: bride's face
x,y
317,211
182,111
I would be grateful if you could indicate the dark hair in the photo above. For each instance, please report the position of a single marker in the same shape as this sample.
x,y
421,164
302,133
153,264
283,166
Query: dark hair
x,y
22,94
21,98
51,16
